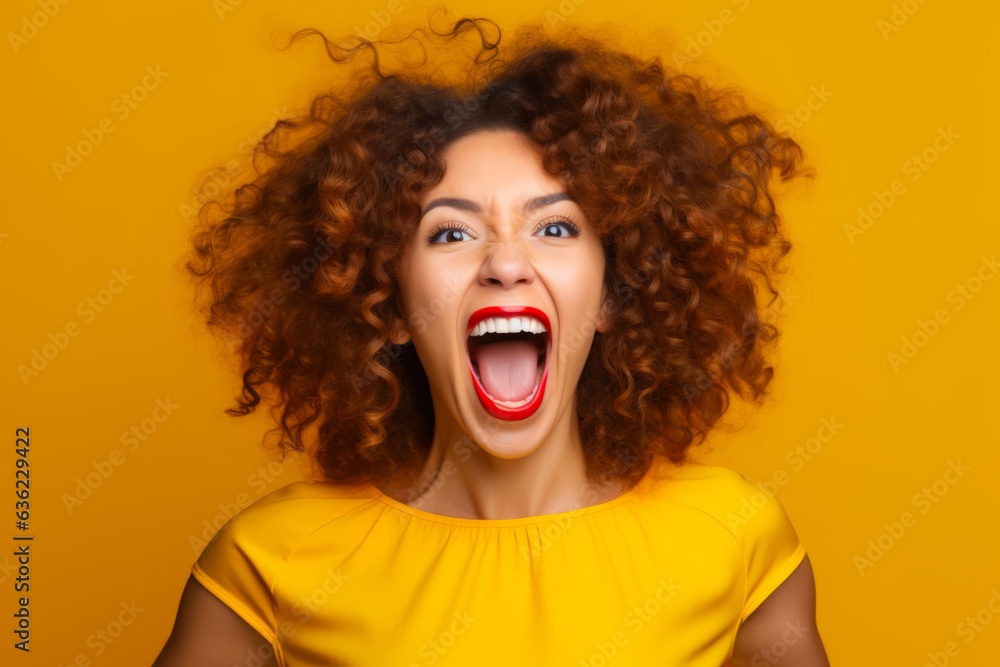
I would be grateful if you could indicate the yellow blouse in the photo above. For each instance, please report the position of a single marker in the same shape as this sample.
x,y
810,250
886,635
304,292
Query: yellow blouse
x,y
337,574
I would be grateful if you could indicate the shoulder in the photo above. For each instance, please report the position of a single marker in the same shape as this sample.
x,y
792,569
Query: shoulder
x,y
714,490
243,560
299,499
272,527
757,521
299,506
754,516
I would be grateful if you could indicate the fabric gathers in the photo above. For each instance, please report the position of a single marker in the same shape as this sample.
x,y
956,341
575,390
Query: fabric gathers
x,y
664,574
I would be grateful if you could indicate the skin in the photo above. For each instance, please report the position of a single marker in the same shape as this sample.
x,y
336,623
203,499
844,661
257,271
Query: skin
x,y
491,468
781,631
534,466
207,633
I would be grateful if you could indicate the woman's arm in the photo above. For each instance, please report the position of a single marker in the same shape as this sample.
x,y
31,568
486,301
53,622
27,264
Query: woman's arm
x,y
782,630
207,633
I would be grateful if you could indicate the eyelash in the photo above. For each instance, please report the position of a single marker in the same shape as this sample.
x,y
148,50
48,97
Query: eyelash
x,y
556,220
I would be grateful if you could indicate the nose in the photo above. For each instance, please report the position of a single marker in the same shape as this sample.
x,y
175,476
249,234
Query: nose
x,y
506,266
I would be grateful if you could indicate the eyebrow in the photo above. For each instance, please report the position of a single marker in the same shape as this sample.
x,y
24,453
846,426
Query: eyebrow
x,y
473,207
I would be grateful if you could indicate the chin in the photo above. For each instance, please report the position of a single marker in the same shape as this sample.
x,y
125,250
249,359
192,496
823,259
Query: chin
x,y
504,441
509,453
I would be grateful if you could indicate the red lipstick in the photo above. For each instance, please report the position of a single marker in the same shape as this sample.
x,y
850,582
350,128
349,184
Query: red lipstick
x,y
499,411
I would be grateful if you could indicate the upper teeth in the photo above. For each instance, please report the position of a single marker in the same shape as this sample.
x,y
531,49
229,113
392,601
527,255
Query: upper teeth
x,y
508,325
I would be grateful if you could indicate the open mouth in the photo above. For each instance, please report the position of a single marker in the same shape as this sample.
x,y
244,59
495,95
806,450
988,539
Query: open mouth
x,y
508,349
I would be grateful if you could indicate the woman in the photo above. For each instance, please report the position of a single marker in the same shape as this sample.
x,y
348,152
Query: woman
x,y
528,293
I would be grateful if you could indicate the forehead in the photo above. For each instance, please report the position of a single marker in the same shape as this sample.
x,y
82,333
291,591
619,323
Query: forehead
x,y
493,161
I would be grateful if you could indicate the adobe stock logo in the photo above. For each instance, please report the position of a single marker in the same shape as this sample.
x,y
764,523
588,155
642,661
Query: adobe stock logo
x,y
122,106
795,119
696,44
60,339
960,295
915,167
923,500
898,17
31,25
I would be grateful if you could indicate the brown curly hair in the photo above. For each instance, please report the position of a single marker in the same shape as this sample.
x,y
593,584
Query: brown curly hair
x,y
672,173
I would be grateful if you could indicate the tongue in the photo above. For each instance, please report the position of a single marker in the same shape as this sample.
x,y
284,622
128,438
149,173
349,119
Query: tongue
x,y
507,369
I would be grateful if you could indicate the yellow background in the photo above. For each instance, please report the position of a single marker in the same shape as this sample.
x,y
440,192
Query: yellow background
x,y
850,303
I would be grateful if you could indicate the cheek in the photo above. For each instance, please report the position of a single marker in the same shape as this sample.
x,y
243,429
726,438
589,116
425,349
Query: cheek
x,y
416,282
429,295
581,278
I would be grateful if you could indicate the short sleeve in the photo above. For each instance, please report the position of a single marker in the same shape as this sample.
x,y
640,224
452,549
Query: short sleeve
x,y
239,566
771,547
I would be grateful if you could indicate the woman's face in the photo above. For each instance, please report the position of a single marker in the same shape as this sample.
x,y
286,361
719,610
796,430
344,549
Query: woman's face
x,y
501,245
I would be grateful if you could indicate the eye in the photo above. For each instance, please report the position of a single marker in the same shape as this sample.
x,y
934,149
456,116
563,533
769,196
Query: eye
x,y
453,232
555,223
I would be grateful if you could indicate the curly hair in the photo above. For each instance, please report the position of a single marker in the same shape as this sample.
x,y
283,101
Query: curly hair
x,y
672,173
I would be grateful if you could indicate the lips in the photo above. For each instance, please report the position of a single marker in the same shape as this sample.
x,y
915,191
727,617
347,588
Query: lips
x,y
491,406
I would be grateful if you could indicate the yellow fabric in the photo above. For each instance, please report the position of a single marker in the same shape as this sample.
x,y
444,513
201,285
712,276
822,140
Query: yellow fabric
x,y
664,574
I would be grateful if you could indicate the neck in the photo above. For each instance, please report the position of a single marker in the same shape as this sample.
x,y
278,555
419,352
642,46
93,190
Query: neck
x,y
462,479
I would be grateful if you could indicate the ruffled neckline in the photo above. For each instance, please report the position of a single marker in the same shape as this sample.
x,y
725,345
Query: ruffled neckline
x,y
628,495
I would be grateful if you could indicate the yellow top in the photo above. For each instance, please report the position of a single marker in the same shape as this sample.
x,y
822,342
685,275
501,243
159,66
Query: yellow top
x,y
337,574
